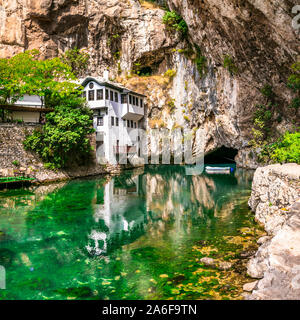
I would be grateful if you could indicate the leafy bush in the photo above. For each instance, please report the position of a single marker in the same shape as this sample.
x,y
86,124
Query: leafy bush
x,y
295,104
77,59
229,64
16,163
174,21
286,149
64,137
267,91
171,73
294,79
261,122
171,105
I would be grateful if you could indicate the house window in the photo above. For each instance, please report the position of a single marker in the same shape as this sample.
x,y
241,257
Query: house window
x,y
130,99
134,101
131,123
135,124
116,97
141,103
100,94
111,96
128,123
106,94
112,121
100,121
124,98
91,95
117,122
91,85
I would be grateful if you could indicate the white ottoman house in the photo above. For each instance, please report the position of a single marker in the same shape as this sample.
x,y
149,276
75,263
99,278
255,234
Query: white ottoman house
x,y
119,113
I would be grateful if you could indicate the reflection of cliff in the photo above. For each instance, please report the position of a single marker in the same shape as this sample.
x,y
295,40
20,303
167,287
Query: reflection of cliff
x,y
173,195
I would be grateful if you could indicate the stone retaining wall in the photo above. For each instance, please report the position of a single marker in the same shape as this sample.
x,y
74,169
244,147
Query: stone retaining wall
x,y
15,161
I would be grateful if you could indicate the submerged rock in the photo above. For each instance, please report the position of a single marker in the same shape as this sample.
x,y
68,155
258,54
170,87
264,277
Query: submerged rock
x,y
208,261
225,265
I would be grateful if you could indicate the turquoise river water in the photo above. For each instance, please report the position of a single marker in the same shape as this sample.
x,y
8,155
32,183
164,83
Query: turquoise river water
x,y
139,235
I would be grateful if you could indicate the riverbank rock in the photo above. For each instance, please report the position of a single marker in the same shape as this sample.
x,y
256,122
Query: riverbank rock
x,y
274,189
250,286
277,262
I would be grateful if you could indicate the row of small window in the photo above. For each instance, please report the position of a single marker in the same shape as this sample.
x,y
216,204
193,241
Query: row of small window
x,y
109,95
115,121
113,96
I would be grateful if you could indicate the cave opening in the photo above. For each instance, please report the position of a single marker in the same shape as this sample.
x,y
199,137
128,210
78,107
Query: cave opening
x,y
221,155
145,71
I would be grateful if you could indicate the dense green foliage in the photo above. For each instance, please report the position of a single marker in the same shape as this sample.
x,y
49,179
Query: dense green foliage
x,y
77,59
174,21
285,149
26,74
63,139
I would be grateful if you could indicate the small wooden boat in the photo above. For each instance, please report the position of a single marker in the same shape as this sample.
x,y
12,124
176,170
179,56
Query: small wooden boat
x,y
218,170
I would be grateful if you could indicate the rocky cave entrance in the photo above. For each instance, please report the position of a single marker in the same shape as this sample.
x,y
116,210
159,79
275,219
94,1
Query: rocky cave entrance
x,y
221,155
145,71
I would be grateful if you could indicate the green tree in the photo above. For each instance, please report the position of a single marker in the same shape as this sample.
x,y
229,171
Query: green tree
x,y
77,59
63,140
25,73
64,137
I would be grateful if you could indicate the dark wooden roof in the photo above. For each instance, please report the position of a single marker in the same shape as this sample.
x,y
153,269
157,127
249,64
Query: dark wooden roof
x,y
24,108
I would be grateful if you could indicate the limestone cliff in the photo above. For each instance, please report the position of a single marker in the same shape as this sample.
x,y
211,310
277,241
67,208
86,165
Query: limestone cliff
x,y
124,35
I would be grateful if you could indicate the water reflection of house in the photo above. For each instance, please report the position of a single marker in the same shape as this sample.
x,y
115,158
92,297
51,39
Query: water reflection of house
x,y
118,216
